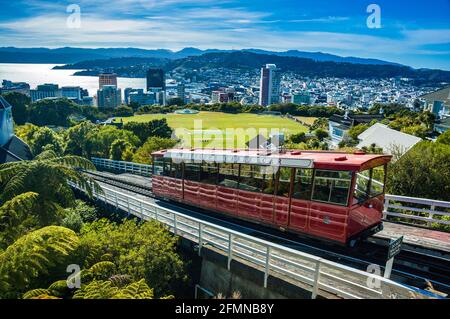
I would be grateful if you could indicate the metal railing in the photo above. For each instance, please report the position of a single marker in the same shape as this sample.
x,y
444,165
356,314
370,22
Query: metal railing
x,y
128,167
427,211
313,272
393,203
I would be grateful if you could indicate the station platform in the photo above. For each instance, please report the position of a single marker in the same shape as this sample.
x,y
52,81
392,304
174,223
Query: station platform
x,y
416,236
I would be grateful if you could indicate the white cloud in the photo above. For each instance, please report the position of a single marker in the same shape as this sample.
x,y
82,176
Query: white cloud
x,y
205,27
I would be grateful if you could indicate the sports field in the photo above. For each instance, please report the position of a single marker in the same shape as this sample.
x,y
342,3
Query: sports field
x,y
213,129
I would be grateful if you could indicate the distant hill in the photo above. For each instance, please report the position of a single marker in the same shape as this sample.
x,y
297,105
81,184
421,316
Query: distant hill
x,y
308,67
113,63
73,55
247,61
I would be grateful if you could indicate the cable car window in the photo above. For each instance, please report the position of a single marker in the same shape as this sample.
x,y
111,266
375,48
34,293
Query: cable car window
x,y
284,181
175,170
377,181
192,172
269,177
208,174
332,186
361,192
158,166
251,178
167,170
303,183
228,175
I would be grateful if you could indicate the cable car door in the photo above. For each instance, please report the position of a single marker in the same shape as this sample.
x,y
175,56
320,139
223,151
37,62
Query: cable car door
x,y
282,196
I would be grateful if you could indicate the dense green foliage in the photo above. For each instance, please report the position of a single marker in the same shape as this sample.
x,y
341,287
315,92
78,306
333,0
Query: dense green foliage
x,y
145,130
153,144
116,261
28,261
121,150
40,186
424,171
144,250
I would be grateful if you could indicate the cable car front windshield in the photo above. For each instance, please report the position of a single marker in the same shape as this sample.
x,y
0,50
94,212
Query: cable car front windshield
x,y
369,183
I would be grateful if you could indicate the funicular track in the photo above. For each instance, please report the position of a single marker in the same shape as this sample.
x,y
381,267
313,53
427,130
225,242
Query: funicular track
x,y
416,268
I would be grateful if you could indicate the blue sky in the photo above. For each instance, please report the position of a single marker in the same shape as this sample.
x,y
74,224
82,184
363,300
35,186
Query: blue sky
x,y
415,33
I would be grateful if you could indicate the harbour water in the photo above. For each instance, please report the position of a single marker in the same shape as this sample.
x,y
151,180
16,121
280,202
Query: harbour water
x,y
35,74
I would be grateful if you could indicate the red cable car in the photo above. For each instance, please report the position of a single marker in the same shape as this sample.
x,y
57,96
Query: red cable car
x,y
333,196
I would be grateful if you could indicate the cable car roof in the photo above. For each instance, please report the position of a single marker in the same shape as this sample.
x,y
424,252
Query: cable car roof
x,y
289,158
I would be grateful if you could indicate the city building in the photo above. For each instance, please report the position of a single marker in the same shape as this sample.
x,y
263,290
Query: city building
x,y
87,101
126,94
442,124
223,96
301,98
438,101
12,148
437,107
19,87
339,125
156,83
156,79
109,97
181,91
138,96
72,92
269,91
44,91
107,79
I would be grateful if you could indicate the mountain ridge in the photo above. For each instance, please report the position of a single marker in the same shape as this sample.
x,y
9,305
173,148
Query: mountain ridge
x,y
73,55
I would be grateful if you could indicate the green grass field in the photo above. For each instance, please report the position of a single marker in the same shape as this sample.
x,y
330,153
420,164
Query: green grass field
x,y
213,129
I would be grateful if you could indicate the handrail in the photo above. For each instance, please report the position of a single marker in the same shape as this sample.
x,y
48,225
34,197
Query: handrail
x,y
315,272
129,167
390,210
394,207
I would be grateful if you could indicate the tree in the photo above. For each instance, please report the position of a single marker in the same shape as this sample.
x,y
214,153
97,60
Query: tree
x,y
19,104
320,122
46,175
428,119
53,112
123,111
356,130
40,138
99,141
372,149
388,108
76,138
321,134
144,250
25,263
145,130
153,144
16,217
176,101
118,149
416,130
298,138
424,171
444,138
43,138
107,290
